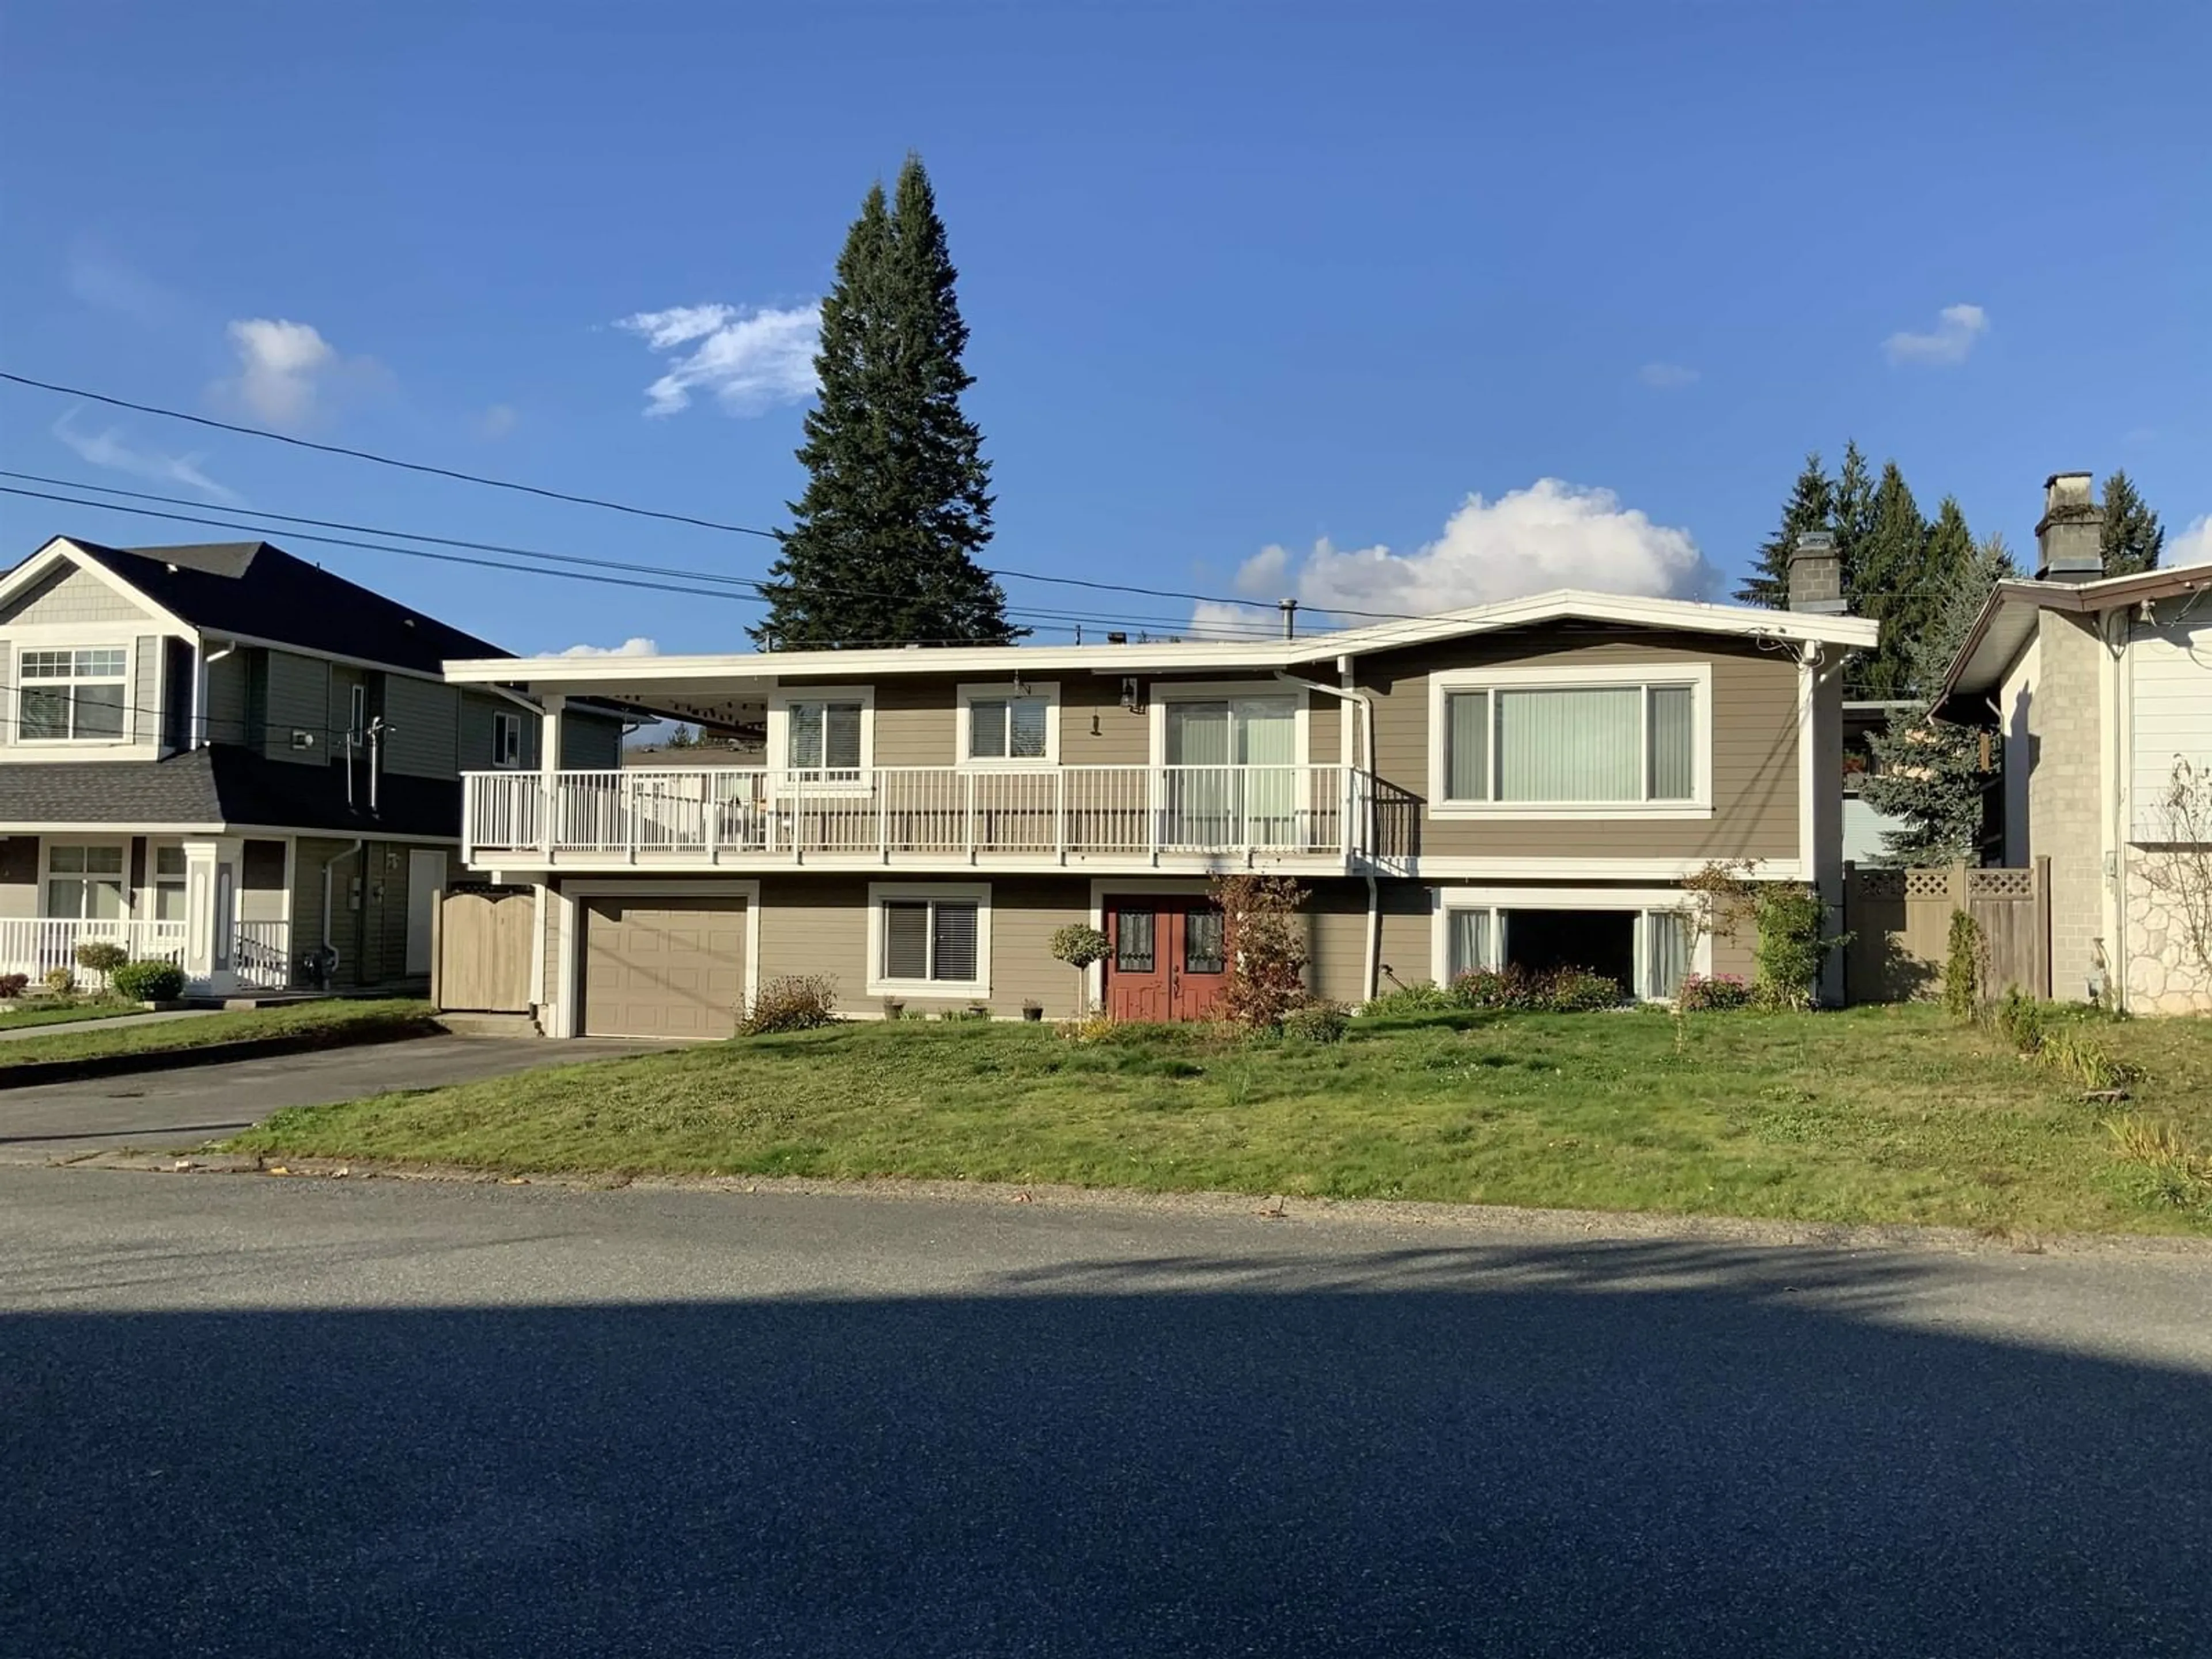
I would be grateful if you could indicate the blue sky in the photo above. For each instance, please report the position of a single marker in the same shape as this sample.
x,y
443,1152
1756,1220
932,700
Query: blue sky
x,y
1240,276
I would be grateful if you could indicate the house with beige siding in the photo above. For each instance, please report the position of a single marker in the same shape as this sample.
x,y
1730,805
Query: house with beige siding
x,y
228,758
2097,689
1526,782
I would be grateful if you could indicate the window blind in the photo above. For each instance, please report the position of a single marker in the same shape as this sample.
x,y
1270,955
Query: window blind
x,y
954,952
1576,744
906,940
1673,742
1467,745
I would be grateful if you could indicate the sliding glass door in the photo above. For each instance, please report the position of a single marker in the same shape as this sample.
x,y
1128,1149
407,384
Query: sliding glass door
x,y
1232,778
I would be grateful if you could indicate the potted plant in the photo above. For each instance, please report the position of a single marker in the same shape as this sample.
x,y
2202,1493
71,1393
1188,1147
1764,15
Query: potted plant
x,y
1032,1010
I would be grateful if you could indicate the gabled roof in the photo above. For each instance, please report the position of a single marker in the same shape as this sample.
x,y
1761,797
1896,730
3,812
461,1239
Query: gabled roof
x,y
608,675
259,592
2007,619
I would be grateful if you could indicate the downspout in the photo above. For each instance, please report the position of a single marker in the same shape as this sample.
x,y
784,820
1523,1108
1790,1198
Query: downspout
x,y
203,659
336,858
1371,965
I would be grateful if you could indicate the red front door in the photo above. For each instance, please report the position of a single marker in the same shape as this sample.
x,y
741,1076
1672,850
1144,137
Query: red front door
x,y
1169,959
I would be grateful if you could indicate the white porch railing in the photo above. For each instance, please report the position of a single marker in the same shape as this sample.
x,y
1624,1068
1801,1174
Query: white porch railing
x,y
915,812
260,954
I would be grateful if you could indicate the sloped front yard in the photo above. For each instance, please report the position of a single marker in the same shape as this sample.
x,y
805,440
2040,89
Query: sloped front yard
x,y
1877,1115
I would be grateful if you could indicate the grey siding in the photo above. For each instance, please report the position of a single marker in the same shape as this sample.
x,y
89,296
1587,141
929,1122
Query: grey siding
x,y
145,725
261,892
475,730
591,742
372,937
19,876
72,595
424,718
7,696
227,699
299,699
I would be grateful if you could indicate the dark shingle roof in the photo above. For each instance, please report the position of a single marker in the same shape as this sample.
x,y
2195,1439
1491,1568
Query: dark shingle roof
x,y
257,589
226,785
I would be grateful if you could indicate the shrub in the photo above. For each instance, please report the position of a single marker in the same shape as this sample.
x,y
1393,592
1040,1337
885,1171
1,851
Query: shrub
x,y
1092,1028
60,982
13,986
1579,991
1318,1021
1079,945
1562,991
101,956
1965,967
147,982
1266,950
798,1002
1420,998
1700,994
1789,924
2019,1019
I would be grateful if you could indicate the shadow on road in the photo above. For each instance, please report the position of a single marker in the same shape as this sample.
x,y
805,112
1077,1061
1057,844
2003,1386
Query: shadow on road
x,y
1634,1448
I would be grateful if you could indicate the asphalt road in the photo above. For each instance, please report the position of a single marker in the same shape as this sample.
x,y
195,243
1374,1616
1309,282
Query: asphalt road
x,y
187,1105
246,1415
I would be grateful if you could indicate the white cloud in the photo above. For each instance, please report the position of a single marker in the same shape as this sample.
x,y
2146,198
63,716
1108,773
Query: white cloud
x,y
497,421
1667,377
1551,534
1957,328
2193,545
749,359
282,367
633,646
108,448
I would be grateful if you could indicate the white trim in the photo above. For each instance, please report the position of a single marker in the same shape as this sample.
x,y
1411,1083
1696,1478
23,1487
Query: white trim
x,y
1698,672
779,735
1573,869
504,720
1161,693
969,692
975,892
61,550
568,1009
1640,901
69,638
1809,782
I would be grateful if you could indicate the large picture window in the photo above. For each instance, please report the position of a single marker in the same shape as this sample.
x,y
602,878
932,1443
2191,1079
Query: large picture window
x,y
1646,941
1532,745
930,939
79,695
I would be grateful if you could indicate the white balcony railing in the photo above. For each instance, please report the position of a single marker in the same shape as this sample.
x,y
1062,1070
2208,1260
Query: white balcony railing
x,y
260,954
913,813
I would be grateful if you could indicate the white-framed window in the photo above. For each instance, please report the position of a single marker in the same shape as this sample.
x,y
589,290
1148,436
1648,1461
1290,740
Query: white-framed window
x,y
168,883
78,694
1008,723
1611,740
823,736
506,735
1648,937
84,880
929,939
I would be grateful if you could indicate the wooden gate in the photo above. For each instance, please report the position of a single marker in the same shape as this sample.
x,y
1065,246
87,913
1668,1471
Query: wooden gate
x,y
481,943
1900,926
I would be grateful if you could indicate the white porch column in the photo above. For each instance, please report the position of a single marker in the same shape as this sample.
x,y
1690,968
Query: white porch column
x,y
211,877
549,767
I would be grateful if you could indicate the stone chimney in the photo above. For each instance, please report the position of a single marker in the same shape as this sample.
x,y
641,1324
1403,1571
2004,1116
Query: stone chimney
x,y
2070,542
1816,574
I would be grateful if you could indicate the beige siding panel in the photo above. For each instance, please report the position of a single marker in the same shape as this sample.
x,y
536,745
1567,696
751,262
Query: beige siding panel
x,y
73,595
591,742
423,717
1408,924
817,925
1336,940
225,709
1121,736
299,699
917,721
1025,912
1754,749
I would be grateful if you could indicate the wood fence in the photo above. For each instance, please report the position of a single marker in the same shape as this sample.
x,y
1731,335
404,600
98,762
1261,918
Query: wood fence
x,y
1900,926
481,940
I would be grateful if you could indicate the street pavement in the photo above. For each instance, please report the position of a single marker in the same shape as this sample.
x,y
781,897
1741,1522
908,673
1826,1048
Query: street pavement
x,y
183,1107
253,1415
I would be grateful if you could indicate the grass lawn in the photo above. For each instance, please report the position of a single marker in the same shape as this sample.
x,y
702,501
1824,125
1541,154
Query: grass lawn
x,y
24,1018
341,1019
1876,1115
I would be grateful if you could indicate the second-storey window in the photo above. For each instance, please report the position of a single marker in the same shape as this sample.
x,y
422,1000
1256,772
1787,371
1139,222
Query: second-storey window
x,y
1007,728
1572,745
506,738
825,740
73,697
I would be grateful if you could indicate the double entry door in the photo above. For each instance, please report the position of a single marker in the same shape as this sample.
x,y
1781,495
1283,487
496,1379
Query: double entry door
x,y
1232,777
1169,959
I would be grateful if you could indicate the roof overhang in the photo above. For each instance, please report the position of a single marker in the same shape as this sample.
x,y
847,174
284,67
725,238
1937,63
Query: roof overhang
x,y
2007,619
58,550
754,674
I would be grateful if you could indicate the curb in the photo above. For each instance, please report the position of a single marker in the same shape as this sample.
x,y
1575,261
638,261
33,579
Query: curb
x,y
34,1073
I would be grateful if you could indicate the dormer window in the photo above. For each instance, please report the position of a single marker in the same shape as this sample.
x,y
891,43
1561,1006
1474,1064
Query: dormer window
x,y
77,695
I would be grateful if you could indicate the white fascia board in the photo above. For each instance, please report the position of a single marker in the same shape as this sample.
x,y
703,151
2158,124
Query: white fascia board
x,y
62,550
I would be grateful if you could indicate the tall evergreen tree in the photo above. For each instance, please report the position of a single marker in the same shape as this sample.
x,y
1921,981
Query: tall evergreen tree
x,y
1812,500
2133,536
1928,771
883,545
1891,552
1852,514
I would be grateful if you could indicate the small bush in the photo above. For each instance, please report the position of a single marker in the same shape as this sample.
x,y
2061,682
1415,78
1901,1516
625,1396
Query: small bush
x,y
2083,1059
147,982
799,1002
1319,1021
1266,950
1718,994
1966,968
13,986
1564,991
101,956
1420,998
2019,1019
1579,991
60,982
1090,1028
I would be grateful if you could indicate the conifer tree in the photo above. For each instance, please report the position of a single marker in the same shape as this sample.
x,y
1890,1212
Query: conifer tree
x,y
882,548
1853,514
1891,552
1812,500
2133,537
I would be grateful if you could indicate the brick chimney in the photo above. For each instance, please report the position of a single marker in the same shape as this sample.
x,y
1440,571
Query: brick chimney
x,y
2070,542
1816,574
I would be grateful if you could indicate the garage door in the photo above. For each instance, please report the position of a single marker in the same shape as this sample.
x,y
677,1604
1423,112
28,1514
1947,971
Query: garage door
x,y
663,967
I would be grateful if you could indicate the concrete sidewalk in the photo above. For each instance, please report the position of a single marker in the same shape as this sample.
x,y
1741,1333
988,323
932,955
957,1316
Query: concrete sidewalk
x,y
60,1026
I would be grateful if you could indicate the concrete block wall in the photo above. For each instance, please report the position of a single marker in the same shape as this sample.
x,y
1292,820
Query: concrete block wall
x,y
2065,795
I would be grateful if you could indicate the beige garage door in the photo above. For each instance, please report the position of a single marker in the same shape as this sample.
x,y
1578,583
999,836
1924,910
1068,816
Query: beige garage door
x,y
663,967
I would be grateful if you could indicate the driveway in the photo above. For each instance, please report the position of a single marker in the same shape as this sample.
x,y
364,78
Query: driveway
x,y
251,1415
183,1108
